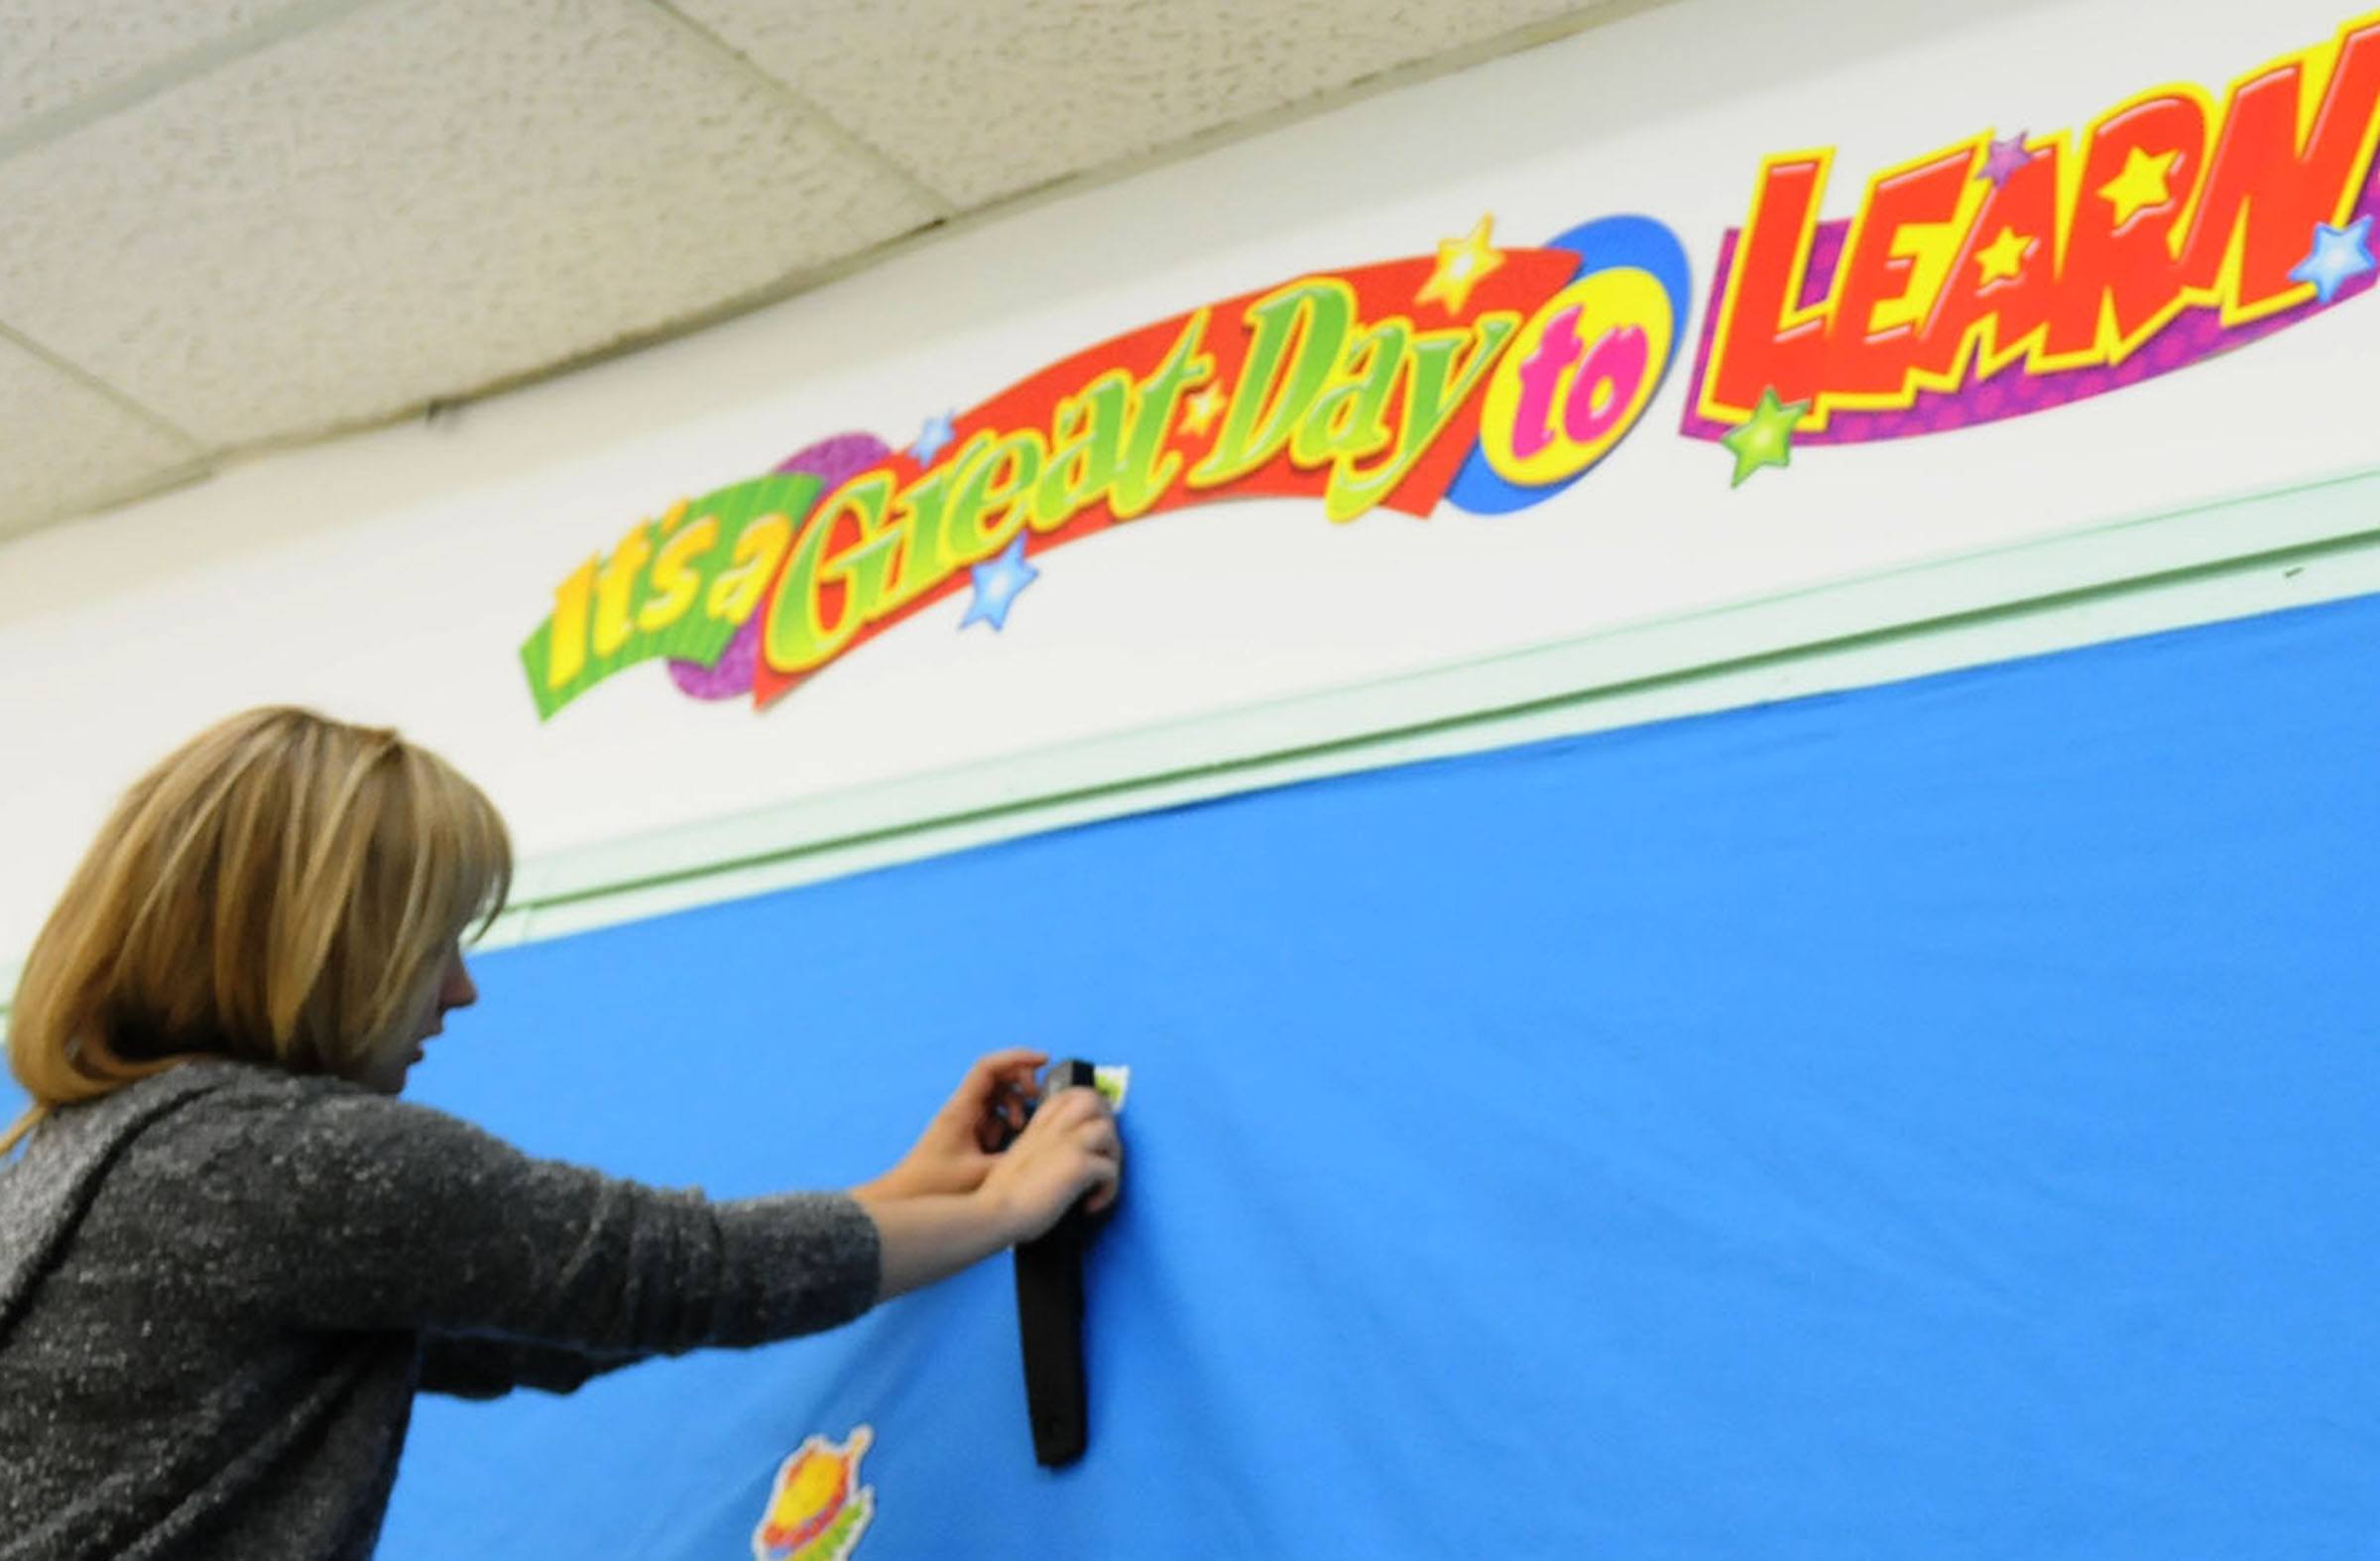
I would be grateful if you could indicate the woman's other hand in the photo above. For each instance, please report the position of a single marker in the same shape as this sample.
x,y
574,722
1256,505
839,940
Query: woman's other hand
x,y
957,1149
1069,1149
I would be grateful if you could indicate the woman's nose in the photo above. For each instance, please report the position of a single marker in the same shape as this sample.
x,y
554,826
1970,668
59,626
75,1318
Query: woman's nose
x,y
459,991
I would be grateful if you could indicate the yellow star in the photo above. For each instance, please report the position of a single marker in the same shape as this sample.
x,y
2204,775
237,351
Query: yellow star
x,y
1200,410
2003,259
1463,264
2141,185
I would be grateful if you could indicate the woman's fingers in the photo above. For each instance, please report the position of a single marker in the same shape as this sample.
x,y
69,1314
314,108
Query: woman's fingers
x,y
1010,1060
1000,1071
1077,1117
992,1099
1102,1147
1105,1181
1063,1111
1098,1136
1076,1103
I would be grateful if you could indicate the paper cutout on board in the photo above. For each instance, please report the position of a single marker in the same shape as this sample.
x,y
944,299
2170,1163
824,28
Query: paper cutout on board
x,y
817,1509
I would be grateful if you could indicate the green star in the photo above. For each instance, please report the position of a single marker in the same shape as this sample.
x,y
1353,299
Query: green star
x,y
1767,439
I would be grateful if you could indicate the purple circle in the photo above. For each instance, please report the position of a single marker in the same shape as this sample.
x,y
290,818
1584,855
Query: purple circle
x,y
833,462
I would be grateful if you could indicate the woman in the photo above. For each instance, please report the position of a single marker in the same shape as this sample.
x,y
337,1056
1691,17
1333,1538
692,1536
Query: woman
x,y
229,1256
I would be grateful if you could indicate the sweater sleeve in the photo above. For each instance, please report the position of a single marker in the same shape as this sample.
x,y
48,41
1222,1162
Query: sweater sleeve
x,y
337,1209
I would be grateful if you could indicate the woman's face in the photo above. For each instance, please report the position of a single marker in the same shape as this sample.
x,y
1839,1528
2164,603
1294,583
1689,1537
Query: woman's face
x,y
448,986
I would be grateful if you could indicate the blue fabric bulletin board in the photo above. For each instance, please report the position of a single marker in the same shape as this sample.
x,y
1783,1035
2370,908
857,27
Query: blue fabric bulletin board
x,y
1930,1121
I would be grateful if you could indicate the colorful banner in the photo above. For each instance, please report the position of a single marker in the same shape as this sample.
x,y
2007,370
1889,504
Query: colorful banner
x,y
1490,378
1998,275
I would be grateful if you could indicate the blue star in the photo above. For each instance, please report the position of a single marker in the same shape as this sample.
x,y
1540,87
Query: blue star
x,y
933,439
996,583
2339,257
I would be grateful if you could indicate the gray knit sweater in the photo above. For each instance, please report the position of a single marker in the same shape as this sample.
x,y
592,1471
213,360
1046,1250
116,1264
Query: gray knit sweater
x,y
220,1288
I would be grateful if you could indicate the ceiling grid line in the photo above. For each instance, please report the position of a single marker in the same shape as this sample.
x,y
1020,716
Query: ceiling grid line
x,y
178,71
944,206
200,448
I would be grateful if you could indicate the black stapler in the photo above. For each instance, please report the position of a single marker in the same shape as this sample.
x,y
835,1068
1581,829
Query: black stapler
x,y
1049,1317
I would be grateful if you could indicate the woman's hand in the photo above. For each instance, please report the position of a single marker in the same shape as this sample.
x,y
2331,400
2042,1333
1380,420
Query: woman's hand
x,y
955,1152
1070,1149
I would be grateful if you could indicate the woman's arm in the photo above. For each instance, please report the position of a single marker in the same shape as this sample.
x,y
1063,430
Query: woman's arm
x,y
328,1207
310,1204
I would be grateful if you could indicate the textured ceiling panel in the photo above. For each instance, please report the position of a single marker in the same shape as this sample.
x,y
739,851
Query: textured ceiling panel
x,y
54,53
994,96
416,200
69,447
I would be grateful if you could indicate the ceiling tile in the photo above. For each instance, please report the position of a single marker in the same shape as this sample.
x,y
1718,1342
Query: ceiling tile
x,y
993,96
72,448
61,52
418,201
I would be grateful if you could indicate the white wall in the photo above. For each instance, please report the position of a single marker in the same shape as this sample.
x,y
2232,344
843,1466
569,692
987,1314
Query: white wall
x,y
392,577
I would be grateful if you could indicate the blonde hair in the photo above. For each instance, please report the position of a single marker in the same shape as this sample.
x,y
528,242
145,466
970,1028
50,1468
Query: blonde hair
x,y
278,889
